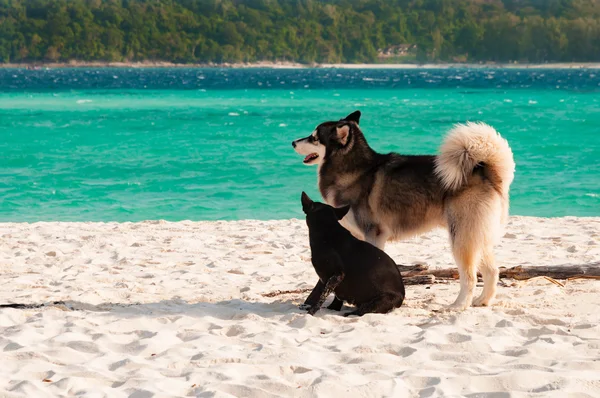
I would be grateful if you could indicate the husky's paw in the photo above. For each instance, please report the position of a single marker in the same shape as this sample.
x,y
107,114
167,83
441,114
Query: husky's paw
x,y
481,301
304,307
456,307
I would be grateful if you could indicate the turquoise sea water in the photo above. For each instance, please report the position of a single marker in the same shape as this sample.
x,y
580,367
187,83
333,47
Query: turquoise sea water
x,y
209,144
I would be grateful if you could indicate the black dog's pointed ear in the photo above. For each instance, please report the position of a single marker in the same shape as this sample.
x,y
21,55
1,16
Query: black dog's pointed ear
x,y
307,202
353,117
340,212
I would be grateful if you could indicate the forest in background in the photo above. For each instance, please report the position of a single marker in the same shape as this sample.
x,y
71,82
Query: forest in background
x,y
305,31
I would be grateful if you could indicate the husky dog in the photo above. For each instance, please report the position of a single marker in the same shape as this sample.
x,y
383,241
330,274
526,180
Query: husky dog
x,y
393,196
356,271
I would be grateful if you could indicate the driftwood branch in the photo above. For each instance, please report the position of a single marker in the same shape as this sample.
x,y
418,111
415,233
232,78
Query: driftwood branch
x,y
419,280
420,274
412,268
521,272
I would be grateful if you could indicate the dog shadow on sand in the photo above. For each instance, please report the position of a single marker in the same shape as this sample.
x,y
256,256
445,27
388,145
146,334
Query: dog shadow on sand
x,y
225,310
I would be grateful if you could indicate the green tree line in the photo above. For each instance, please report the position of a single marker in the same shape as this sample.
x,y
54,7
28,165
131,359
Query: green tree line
x,y
307,31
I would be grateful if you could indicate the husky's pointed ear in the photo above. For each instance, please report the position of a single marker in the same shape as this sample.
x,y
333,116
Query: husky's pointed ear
x,y
343,131
353,117
340,212
307,202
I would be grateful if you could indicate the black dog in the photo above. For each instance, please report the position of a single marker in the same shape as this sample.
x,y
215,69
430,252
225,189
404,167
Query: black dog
x,y
356,271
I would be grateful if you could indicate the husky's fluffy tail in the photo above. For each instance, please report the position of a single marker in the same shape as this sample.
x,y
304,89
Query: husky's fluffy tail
x,y
470,145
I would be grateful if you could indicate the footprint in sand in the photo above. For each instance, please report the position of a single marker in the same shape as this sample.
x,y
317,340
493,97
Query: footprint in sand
x,y
235,331
118,364
141,394
504,324
83,346
300,369
12,346
458,338
403,352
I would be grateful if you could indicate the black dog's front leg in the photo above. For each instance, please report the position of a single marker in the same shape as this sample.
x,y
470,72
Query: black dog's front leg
x,y
313,297
336,304
330,286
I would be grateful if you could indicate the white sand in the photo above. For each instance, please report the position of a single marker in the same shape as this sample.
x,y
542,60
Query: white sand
x,y
175,309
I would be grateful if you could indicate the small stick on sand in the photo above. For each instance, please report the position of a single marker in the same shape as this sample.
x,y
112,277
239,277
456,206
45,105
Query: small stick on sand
x,y
547,278
584,277
282,292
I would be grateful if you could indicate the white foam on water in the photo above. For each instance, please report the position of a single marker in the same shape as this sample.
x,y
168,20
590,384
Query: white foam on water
x,y
372,79
233,114
84,101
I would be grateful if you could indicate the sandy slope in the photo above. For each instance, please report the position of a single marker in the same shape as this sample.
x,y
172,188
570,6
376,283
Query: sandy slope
x,y
176,309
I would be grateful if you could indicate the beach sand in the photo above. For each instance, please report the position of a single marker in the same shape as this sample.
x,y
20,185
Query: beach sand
x,y
157,309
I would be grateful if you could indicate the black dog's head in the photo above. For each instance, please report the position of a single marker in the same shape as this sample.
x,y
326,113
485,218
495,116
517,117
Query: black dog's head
x,y
321,214
328,137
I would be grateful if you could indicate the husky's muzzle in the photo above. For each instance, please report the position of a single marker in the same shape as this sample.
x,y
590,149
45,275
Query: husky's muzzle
x,y
311,148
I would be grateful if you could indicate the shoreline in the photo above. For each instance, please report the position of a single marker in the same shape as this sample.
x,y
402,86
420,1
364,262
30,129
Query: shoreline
x,y
160,221
294,65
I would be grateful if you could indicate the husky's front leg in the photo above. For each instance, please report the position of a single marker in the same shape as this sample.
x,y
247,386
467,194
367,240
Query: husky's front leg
x,y
349,222
377,237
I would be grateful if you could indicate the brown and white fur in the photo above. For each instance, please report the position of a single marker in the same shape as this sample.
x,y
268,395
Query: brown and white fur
x,y
392,196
